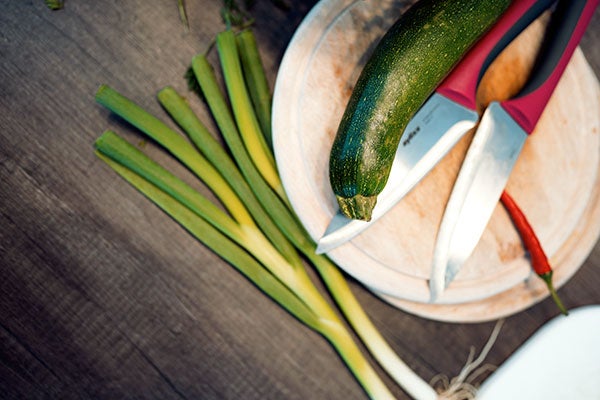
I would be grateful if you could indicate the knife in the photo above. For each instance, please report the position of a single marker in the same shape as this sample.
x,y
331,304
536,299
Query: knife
x,y
503,129
446,116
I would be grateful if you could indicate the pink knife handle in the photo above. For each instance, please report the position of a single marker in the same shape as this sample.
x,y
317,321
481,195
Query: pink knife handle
x,y
527,107
461,85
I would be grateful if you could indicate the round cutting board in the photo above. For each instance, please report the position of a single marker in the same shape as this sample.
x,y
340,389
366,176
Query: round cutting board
x,y
553,180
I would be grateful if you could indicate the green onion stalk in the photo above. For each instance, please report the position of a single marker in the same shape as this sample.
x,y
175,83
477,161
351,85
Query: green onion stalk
x,y
257,233
258,85
240,244
243,110
289,224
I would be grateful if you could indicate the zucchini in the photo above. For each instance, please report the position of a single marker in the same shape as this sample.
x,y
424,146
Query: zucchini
x,y
408,63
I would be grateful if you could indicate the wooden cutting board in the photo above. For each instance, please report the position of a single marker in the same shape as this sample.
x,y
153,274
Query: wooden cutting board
x,y
554,180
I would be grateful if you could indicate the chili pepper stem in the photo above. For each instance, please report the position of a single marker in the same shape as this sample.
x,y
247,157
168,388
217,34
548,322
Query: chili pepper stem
x,y
547,277
539,261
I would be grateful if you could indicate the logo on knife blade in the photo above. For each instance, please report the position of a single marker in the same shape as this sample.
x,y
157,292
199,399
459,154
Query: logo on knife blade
x,y
411,135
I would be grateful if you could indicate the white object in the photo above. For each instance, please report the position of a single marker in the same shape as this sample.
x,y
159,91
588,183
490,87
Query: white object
x,y
560,361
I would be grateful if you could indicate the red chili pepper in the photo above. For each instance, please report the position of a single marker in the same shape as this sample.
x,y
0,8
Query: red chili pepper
x,y
539,261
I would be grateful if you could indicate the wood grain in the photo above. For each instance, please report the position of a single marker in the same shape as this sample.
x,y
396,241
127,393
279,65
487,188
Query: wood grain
x,y
101,295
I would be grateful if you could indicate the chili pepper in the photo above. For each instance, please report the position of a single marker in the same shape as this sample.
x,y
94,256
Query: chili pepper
x,y
539,261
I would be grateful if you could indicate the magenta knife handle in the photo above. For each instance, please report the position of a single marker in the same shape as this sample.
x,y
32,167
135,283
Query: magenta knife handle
x,y
461,85
568,24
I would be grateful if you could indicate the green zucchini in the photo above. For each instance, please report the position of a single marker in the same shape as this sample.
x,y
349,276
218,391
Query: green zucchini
x,y
408,63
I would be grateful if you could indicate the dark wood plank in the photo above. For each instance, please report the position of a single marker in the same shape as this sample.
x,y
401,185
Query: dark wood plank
x,y
101,294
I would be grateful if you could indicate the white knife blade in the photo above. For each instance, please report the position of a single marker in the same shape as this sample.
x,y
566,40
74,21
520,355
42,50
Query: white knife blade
x,y
482,178
498,143
446,116
430,134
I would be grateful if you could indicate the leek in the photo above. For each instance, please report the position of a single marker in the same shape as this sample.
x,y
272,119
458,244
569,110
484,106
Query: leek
x,y
289,224
245,117
258,233
255,76
289,286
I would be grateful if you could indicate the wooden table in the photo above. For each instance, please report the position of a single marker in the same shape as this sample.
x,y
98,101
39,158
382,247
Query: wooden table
x,y
104,296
